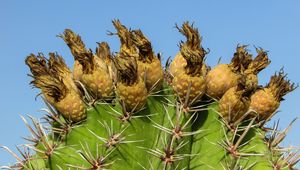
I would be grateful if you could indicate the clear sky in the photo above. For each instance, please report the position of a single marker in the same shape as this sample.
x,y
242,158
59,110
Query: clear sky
x,y
31,26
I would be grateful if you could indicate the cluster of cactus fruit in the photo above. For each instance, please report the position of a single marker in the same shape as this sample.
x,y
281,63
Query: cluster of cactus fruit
x,y
125,111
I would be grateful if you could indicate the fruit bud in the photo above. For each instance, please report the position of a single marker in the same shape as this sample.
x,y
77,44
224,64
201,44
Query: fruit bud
x,y
53,81
131,88
241,59
190,80
147,62
225,76
266,101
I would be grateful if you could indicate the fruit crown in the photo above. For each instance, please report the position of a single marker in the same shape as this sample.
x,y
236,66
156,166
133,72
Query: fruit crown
x,y
103,52
192,50
48,76
260,62
57,65
241,59
51,87
126,68
87,61
144,46
74,42
125,36
103,55
280,85
37,64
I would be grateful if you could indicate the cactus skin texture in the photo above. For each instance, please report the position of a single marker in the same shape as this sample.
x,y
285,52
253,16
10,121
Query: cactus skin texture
x,y
198,119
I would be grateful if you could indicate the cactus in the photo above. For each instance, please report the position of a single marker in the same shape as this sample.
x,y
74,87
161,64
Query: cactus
x,y
125,111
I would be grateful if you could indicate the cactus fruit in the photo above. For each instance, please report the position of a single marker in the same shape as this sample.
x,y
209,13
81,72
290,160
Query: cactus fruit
x,y
265,101
130,87
189,81
54,80
137,129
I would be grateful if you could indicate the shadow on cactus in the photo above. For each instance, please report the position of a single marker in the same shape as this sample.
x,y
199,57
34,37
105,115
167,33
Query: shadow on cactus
x,y
125,111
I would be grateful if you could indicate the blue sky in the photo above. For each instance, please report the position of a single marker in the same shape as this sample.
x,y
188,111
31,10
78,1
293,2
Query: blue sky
x,y
32,26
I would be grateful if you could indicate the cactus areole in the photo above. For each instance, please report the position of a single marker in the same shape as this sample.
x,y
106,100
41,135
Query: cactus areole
x,y
124,110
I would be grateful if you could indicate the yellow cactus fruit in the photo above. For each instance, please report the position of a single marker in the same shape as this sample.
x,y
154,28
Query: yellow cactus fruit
x,y
149,65
266,101
234,103
77,48
95,76
53,85
260,62
131,88
224,76
189,83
